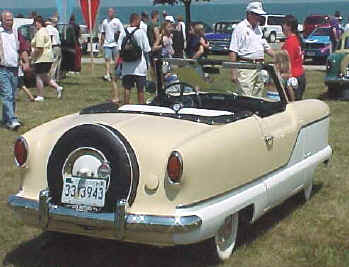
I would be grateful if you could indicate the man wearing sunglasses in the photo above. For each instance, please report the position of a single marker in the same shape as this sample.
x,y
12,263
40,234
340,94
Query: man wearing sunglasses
x,y
248,45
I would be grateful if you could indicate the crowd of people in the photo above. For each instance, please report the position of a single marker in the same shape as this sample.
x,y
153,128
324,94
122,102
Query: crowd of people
x,y
40,58
54,51
157,37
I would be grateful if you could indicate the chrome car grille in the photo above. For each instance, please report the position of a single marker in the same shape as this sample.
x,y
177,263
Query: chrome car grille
x,y
314,45
219,42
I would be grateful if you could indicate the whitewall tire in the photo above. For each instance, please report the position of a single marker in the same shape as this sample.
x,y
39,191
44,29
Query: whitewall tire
x,y
226,236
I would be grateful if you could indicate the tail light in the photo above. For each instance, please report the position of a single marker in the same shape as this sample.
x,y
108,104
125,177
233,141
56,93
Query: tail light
x,y
175,167
21,152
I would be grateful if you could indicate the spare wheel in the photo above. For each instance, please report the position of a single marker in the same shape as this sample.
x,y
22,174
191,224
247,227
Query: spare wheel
x,y
82,150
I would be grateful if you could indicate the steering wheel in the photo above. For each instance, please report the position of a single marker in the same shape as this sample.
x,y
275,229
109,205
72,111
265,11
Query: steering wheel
x,y
183,100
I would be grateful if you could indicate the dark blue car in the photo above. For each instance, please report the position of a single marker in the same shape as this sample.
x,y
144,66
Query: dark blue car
x,y
317,45
219,40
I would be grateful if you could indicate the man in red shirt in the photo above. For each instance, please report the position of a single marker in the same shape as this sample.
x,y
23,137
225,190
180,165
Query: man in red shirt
x,y
293,46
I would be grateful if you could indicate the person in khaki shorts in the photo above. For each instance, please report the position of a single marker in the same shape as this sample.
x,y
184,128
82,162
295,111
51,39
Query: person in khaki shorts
x,y
248,45
51,26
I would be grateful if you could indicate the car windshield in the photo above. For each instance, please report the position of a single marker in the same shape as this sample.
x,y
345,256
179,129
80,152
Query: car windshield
x,y
262,21
315,20
205,87
321,32
224,27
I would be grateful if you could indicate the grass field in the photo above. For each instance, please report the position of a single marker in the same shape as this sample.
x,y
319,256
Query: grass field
x,y
315,233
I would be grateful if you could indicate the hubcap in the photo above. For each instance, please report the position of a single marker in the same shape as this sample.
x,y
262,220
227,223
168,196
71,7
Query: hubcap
x,y
85,162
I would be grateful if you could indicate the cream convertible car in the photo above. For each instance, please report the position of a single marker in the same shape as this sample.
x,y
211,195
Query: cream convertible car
x,y
182,169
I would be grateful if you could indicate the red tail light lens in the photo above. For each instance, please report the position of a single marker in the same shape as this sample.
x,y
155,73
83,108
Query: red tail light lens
x,y
21,152
175,167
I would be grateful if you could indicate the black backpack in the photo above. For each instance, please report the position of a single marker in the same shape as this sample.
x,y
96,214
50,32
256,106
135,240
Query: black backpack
x,y
150,33
130,50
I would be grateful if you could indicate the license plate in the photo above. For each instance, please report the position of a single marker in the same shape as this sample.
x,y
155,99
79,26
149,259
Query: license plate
x,y
82,191
310,53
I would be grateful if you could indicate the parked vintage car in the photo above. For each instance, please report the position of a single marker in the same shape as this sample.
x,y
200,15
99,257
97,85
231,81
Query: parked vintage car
x,y
219,40
189,166
318,46
337,75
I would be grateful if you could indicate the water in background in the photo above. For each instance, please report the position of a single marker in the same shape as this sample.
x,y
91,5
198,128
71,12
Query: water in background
x,y
211,13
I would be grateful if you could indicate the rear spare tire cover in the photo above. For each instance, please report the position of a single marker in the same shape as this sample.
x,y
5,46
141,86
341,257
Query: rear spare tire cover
x,y
118,152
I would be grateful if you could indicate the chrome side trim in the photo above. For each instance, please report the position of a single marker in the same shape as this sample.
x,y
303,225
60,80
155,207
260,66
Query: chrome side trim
x,y
120,222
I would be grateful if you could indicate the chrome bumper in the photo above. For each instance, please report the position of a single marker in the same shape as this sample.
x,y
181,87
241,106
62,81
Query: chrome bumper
x,y
120,221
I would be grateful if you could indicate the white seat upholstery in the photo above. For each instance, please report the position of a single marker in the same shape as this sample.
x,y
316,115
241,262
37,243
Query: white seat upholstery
x,y
147,108
203,112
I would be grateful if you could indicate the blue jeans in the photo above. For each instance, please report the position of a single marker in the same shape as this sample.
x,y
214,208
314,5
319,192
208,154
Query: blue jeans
x,y
8,87
110,53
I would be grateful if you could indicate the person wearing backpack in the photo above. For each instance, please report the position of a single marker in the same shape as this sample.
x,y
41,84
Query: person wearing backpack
x,y
134,46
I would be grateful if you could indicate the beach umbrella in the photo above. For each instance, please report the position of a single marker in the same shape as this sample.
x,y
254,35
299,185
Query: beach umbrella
x,y
187,4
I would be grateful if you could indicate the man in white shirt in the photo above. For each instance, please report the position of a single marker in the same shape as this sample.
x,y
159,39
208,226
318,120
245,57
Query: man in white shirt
x,y
135,72
56,48
248,45
111,29
9,47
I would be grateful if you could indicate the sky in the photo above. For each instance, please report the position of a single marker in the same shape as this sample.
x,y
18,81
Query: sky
x,y
52,3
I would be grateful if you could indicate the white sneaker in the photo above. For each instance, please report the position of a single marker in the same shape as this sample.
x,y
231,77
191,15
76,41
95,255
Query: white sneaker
x,y
107,78
39,99
13,125
59,92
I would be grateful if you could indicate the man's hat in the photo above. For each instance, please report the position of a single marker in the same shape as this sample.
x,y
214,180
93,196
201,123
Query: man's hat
x,y
170,19
255,7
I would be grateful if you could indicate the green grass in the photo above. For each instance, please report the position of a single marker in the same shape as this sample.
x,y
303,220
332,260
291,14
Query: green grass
x,y
315,233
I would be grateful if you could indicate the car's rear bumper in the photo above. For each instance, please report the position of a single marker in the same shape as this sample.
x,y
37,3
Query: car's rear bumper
x,y
340,82
119,225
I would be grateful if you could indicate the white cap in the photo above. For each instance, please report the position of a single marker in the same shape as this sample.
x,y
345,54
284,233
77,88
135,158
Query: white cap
x,y
255,7
170,19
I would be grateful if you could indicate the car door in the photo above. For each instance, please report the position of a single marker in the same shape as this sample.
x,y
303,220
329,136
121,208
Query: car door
x,y
280,132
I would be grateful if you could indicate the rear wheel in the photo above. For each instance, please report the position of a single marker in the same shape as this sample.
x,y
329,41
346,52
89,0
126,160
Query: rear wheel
x,y
225,239
333,92
272,37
